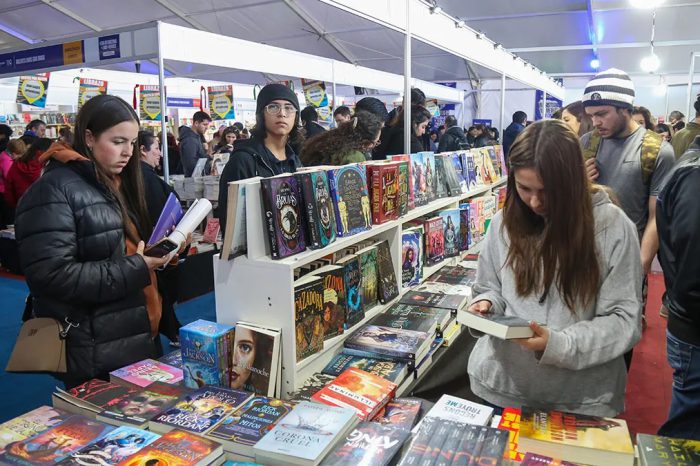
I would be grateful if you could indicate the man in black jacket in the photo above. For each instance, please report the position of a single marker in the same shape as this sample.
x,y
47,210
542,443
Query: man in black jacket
x,y
191,146
512,131
454,138
678,224
268,152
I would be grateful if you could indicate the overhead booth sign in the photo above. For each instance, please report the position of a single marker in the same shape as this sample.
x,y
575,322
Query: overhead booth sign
x,y
90,88
149,102
316,95
32,89
221,102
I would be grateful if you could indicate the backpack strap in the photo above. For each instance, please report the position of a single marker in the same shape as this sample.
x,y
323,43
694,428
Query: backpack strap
x,y
651,146
591,148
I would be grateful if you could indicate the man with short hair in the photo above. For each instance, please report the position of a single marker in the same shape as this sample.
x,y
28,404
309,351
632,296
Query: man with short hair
x,y
454,138
512,131
35,129
472,133
684,138
341,115
191,144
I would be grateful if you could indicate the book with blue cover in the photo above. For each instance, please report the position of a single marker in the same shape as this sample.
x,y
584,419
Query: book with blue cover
x,y
355,306
390,342
205,350
469,170
353,211
420,183
112,448
451,227
169,217
457,159
318,208
369,443
411,256
173,358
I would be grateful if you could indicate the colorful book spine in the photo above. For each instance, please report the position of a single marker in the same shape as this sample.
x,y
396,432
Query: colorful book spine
x,y
384,180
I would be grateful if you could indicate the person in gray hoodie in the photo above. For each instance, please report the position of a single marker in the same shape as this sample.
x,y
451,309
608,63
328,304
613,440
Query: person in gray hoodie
x,y
563,257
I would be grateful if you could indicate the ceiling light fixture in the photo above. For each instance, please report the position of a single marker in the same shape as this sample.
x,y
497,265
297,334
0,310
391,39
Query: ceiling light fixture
x,y
595,63
497,45
651,62
646,4
435,10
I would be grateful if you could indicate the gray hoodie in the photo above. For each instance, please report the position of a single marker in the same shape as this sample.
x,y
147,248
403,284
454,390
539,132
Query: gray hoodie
x,y
582,369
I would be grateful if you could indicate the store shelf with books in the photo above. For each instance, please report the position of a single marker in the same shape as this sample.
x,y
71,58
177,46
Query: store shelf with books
x,y
256,288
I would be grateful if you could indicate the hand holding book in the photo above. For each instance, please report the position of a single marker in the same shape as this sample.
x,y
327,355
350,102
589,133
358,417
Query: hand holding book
x,y
480,307
537,342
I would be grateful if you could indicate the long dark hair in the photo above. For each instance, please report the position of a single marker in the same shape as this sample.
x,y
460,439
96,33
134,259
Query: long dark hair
x,y
35,149
99,114
354,135
560,249
259,132
419,114
585,122
646,114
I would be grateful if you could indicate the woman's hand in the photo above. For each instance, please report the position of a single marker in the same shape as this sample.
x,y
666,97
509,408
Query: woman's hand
x,y
537,342
151,262
480,307
185,245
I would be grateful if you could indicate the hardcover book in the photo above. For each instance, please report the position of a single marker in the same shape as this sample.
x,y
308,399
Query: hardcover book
x,y
388,287
451,408
308,316
412,257
369,443
115,446
255,359
407,321
355,307
235,242
404,188
353,212
500,326
205,349
143,373
430,176
390,342
318,208
139,408
459,172
369,282
434,240
91,397
312,385
465,235
440,179
533,459
364,392
399,412
663,451
384,181
240,431
282,204
305,435
174,358
596,441
451,226
420,184
200,410
30,424
427,299
393,371
334,300
177,448
510,421
55,443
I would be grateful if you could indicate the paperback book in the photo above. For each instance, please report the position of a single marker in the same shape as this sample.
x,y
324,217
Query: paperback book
x,y
139,408
399,412
177,448
465,235
310,386
368,444
368,270
430,176
533,459
412,257
353,212
143,373
434,240
455,275
282,204
469,169
30,424
174,358
407,321
388,287
235,241
428,299
451,225
387,341
664,451
308,316
352,273
206,351
318,208
255,359
459,172
504,327
91,397
112,448
440,179
510,421
393,371
451,408
334,300
404,188
420,185
384,181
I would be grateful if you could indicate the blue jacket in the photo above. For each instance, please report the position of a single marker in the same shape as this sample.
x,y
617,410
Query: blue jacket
x,y
509,135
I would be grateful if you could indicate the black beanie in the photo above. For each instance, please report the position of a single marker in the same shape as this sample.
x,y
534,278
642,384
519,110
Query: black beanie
x,y
276,92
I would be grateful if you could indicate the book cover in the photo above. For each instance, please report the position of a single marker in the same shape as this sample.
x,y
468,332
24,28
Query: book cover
x,y
355,307
368,283
200,410
55,443
351,202
30,424
312,385
412,257
176,448
399,412
427,299
432,450
451,227
93,395
144,373
434,240
387,341
211,231
404,188
318,208
440,179
575,436
307,432
308,316
174,358
255,357
393,371
501,326
655,450
364,392
112,448
533,459
491,164
455,275
467,451
420,183
384,180
465,236
167,221
369,443
388,287
334,300
142,406
430,176
407,322
235,242
419,443
421,313
241,430
408,187
470,171
459,172
449,447
479,167
283,213
451,408
205,349
510,421
494,447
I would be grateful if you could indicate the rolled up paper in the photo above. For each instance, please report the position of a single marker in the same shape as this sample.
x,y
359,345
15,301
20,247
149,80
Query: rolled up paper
x,y
192,218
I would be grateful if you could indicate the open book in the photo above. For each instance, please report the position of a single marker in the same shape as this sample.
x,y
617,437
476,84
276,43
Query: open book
x,y
169,217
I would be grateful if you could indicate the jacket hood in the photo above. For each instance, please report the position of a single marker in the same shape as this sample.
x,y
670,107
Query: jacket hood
x,y
186,132
455,130
600,198
30,170
61,152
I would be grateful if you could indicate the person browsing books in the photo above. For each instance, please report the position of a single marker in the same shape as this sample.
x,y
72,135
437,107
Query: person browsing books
x,y
269,151
562,256
79,232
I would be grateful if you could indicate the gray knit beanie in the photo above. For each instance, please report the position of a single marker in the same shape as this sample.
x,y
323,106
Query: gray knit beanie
x,y
610,87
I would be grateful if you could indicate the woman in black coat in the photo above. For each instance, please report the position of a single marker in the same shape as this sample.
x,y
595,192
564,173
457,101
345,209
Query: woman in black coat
x,y
79,230
420,117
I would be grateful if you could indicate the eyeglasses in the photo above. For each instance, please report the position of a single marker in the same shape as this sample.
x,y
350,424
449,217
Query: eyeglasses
x,y
275,109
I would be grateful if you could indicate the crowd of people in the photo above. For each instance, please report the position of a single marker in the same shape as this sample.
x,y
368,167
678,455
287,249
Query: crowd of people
x,y
593,195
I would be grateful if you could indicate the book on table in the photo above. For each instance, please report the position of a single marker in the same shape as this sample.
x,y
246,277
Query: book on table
x,y
501,326
393,371
369,443
91,397
451,408
591,440
137,409
533,459
30,424
375,340
112,448
399,412
179,448
256,350
429,299
655,450
143,373
205,349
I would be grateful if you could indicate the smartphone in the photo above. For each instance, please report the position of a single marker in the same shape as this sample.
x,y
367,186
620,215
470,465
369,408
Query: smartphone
x,y
162,248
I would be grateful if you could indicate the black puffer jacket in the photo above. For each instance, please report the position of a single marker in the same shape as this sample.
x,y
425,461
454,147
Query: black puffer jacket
x,y
453,140
72,247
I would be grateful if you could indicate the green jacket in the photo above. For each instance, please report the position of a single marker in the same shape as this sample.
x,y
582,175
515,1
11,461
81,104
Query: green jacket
x,y
684,138
353,157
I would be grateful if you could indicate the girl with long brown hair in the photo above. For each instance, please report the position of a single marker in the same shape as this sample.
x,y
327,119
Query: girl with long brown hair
x,y
563,257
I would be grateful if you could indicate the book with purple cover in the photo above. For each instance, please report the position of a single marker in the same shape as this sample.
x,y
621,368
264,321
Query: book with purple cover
x,y
170,216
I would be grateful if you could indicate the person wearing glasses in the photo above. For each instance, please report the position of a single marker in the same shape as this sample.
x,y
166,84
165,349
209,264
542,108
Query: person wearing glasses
x,y
350,142
269,150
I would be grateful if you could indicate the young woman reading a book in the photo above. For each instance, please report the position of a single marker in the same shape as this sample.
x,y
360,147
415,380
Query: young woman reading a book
x,y
563,257
79,231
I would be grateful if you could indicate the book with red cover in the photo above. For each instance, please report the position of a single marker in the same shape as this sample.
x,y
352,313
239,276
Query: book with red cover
x,y
383,180
364,392
91,397
211,232
405,182
177,448
434,240
510,421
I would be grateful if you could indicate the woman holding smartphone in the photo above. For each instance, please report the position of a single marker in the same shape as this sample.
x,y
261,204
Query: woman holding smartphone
x,y
80,231
563,257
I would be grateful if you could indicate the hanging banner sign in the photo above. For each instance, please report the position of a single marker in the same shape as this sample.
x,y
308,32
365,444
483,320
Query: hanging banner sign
x,y
432,107
32,89
70,53
553,104
221,102
109,47
182,102
90,88
315,93
325,115
149,102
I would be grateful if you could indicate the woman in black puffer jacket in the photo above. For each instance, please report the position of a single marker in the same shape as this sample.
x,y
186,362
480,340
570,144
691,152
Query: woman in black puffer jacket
x,y
79,230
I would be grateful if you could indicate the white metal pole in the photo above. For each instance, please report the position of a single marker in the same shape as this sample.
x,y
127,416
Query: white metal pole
x,y
691,73
544,104
163,109
335,102
503,105
407,127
